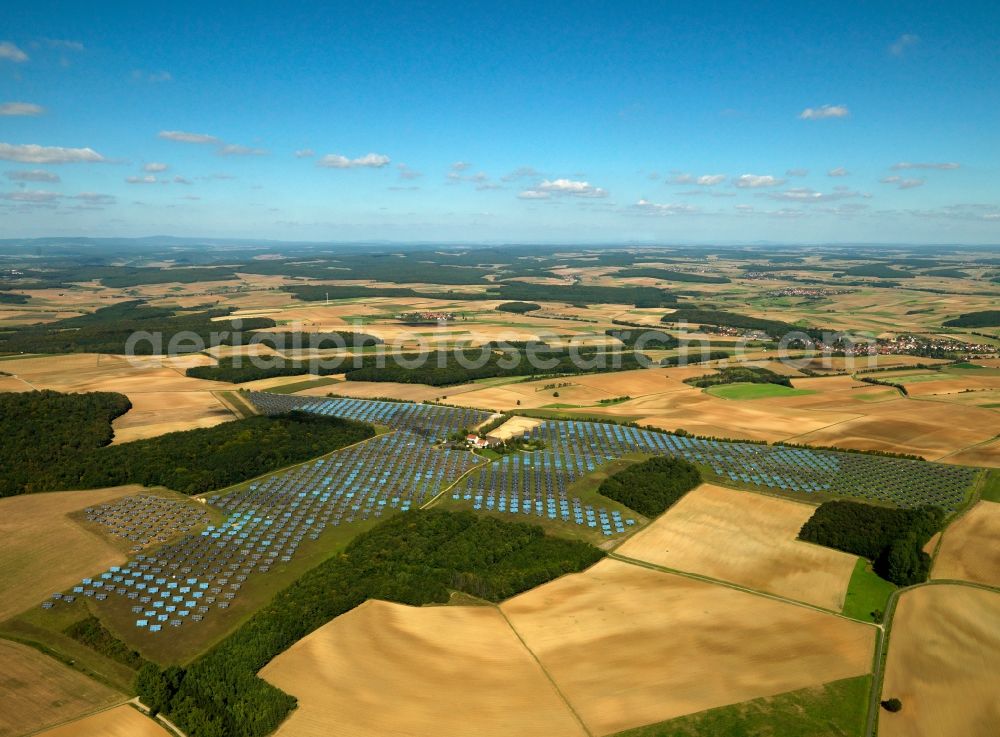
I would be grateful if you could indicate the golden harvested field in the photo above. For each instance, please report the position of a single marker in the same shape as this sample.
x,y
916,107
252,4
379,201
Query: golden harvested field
x,y
386,669
911,426
156,413
629,646
120,721
36,691
90,372
985,454
944,663
44,551
970,550
515,427
13,384
748,539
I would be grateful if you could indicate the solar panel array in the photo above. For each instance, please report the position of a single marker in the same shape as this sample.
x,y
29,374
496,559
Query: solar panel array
x,y
185,580
145,519
430,420
536,483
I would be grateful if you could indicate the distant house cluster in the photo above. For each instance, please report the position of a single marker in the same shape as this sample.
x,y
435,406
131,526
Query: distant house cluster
x,y
487,441
426,316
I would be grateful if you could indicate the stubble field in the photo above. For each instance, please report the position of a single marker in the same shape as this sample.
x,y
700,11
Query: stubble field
x,y
628,646
37,691
747,539
944,656
387,669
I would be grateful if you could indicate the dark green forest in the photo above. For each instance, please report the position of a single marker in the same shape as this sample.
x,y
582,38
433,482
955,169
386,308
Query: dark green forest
x,y
414,558
13,299
981,319
879,271
648,338
54,442
519,307
739,375
670,275
698,316
891,538
653,486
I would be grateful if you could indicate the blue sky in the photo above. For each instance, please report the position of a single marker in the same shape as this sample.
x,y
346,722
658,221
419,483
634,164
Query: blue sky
x,y
530,122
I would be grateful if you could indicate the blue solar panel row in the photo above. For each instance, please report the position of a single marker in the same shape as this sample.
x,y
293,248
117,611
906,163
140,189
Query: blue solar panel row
x,y
425,419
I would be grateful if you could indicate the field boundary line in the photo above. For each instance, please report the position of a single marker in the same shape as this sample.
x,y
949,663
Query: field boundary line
x,y
729,584
433,500
64,722
544,670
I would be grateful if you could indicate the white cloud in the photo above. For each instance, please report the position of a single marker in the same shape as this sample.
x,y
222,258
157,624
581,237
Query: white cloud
x,y
10,52
753,181
901,44
148,179
665,209
58,43
181,180
902,183
706,192
155,166
944,165
705,180
305,153
186,137
34,175
94,198
406,172
235,149
825,111
797,173
20,109
161,76
522,172
336,161
570,187
460,166
804,194
533,194
31,196
31,153
838,172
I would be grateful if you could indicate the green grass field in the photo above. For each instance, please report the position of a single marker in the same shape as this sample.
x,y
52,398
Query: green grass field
x,y
866,593
990,490
298,386
836,709
754,391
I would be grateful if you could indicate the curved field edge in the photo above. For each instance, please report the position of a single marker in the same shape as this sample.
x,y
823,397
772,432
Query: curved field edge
x,y
835,709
